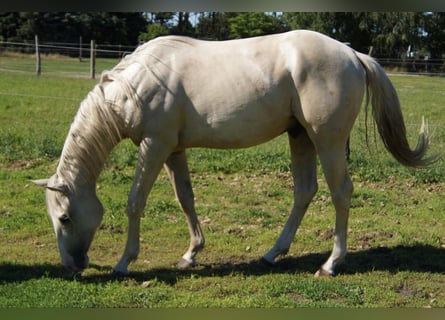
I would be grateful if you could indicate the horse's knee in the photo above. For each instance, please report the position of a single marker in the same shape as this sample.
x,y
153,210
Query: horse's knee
x,y
186,197
187,204
305,194
135,206
133,212
342,196
311,190
348,186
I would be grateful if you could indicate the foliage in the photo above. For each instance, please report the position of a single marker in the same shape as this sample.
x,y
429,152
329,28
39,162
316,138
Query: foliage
x,y
245,25
435,33
214,25
103,27
153,30
389,33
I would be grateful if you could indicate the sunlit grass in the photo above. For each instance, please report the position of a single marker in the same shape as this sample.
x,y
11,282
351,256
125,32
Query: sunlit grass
x,y
243,197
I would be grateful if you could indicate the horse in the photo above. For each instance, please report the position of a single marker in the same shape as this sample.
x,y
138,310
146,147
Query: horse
x,y
175,92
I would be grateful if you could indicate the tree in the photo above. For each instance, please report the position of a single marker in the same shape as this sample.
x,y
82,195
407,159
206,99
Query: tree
x,y
390,33
9,23
153,30
213,25
164,23
250,24
351,27
183,26
303,20
435,33
110,28
165,19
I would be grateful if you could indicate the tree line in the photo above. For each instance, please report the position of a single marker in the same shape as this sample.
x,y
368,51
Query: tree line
x,y
390,34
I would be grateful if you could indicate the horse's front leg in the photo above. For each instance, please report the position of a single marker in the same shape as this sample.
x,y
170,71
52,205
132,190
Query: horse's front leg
x,y
152,155
177,169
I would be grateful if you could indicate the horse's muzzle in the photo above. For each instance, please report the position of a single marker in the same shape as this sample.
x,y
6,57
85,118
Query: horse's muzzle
x,y
76,264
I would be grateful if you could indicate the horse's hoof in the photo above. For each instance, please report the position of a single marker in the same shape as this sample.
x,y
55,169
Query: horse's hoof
x,y
267,262
323,273
184,263
120,273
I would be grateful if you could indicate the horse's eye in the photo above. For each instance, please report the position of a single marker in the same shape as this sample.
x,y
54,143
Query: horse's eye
x,y
64,218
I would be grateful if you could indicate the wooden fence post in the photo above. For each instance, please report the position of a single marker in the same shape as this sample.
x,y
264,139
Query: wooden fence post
x,y
38,63
80,49
93,60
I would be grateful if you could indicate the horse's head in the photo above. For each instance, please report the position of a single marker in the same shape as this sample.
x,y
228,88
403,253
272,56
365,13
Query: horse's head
x,y
75,217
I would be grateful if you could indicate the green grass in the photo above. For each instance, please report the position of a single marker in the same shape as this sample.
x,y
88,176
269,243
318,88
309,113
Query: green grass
x,y
396,231
53,65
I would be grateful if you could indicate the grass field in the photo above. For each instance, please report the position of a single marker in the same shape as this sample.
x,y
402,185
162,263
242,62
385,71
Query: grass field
x,y
396,231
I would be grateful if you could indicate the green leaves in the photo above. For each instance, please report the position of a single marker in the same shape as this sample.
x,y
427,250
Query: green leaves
x,y
245,25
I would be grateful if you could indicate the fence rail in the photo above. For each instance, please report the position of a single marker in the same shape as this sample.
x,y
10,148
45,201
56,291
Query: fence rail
x,y
413,65
16,56
81,49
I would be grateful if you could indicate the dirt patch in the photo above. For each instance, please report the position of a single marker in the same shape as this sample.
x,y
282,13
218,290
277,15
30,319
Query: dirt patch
x,y
405,290
13,165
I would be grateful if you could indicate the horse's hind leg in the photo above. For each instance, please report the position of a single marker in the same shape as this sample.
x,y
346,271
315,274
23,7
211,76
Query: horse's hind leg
x,y
177,169
304,171
333,160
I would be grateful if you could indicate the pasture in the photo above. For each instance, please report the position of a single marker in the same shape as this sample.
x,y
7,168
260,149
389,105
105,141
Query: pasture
x,y
396,238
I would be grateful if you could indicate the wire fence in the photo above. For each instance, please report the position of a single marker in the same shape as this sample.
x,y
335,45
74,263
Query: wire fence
x,y
78,50
62,59
425,66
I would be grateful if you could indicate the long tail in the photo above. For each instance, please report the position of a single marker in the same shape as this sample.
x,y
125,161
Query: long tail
x,y
389,119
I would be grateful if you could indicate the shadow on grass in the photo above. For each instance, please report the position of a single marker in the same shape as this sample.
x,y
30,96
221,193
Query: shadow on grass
x,y
418,258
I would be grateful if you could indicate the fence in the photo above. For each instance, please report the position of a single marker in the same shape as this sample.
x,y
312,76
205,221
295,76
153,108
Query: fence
x,y
20,56
414,65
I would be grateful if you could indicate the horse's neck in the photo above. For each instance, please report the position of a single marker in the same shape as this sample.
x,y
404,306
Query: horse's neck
x,y
92,136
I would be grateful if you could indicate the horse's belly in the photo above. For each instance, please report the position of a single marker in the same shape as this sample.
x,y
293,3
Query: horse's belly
x,y
234,134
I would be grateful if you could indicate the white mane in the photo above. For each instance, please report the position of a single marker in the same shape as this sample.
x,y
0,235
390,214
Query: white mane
x,y
96,129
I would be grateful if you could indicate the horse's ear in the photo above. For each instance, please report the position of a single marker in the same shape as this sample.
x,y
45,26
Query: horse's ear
x,y
63,188
41,182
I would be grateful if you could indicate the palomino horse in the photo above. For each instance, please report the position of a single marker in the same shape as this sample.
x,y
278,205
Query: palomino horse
x,y
175,93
